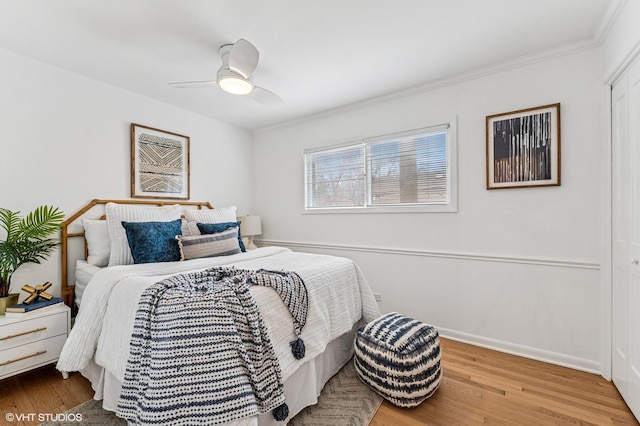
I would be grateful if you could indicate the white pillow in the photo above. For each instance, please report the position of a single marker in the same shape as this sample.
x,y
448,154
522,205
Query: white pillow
x,y
186,231
217,215
116,213
98,242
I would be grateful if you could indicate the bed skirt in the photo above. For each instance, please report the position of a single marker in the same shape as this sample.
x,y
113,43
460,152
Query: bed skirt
x,y
301,388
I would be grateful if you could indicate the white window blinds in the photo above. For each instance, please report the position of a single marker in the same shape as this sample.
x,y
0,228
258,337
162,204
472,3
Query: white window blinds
x,y
410,169
402,169
335,177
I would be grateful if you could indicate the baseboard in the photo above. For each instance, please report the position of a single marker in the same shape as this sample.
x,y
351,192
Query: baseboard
x,y
562,360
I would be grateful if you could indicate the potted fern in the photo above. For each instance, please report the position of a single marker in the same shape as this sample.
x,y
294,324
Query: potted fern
x,y
27,241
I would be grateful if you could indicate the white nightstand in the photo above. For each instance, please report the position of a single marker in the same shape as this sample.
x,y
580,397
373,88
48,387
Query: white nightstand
x,y
33,340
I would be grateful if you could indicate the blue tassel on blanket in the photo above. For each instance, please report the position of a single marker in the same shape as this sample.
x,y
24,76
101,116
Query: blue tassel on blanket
x,y
281,412
297,348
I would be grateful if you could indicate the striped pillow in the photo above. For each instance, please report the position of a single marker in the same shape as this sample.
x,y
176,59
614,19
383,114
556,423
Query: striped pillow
x,y
221,244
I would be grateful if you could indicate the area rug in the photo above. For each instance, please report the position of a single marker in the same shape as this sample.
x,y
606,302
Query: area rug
x,y
345,400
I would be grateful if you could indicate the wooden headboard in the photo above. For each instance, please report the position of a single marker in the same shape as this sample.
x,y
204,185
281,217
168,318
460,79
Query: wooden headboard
x,y
72,229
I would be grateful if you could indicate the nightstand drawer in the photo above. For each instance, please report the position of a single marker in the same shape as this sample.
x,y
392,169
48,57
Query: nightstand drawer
x,y
31,355
30,330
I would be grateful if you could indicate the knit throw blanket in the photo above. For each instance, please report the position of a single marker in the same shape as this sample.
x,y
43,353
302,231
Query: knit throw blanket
x,y
200,352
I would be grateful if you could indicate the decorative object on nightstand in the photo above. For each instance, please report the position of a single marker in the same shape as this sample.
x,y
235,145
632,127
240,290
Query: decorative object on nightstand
x,y
37,292
24,308
8,300
250,226
26,242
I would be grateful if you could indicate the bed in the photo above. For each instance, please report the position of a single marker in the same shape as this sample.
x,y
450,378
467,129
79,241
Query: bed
x,y
106,297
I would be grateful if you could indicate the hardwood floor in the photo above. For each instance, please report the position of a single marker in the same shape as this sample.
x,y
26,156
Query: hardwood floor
x,y
37,395
479,386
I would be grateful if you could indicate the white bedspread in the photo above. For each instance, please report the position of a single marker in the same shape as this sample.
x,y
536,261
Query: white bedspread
x,y
339,296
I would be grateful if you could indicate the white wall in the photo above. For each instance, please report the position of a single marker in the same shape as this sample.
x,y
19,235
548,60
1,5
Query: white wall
x,y
514,269
65,141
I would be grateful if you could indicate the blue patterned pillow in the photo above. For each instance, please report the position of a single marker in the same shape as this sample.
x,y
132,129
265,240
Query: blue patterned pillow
x,y
152,242
214,228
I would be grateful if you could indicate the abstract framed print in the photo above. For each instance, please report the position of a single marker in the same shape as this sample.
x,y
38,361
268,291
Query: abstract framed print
x,y
523,148
159,163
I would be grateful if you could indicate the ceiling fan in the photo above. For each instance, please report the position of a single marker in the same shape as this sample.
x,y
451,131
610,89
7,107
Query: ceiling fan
x,y
239,60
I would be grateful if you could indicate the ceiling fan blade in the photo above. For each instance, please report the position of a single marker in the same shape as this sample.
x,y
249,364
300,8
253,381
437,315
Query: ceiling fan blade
x,y
243,58
194,84
265,97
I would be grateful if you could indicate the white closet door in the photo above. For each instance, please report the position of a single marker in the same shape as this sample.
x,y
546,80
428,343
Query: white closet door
x,y
633,306
620,235
626,237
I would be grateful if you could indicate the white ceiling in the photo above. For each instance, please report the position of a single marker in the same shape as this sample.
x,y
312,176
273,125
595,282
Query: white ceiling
x,y
316,54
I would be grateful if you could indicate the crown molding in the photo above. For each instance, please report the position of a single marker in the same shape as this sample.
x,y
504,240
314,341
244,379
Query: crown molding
x,y
538,57
607,22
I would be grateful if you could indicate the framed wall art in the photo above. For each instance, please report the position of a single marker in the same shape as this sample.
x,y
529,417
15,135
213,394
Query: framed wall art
x,y
523,148
159,163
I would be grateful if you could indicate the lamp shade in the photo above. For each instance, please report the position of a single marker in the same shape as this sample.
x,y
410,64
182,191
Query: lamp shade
x,y
250,225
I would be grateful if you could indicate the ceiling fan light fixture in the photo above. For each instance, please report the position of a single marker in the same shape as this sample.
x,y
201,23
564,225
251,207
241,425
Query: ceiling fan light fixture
x,y
233,83
239,60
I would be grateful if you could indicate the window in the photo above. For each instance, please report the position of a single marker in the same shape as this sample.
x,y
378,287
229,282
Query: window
x,y
412,170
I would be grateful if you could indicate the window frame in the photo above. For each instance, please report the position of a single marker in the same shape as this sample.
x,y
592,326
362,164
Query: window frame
x,y
452,179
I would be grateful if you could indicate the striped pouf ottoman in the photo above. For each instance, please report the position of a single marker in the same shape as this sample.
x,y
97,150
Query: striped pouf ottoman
x,y
399,358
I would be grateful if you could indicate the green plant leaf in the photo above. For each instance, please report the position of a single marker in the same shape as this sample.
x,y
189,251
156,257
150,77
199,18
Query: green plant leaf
x,y
26,240
41,222
10,222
